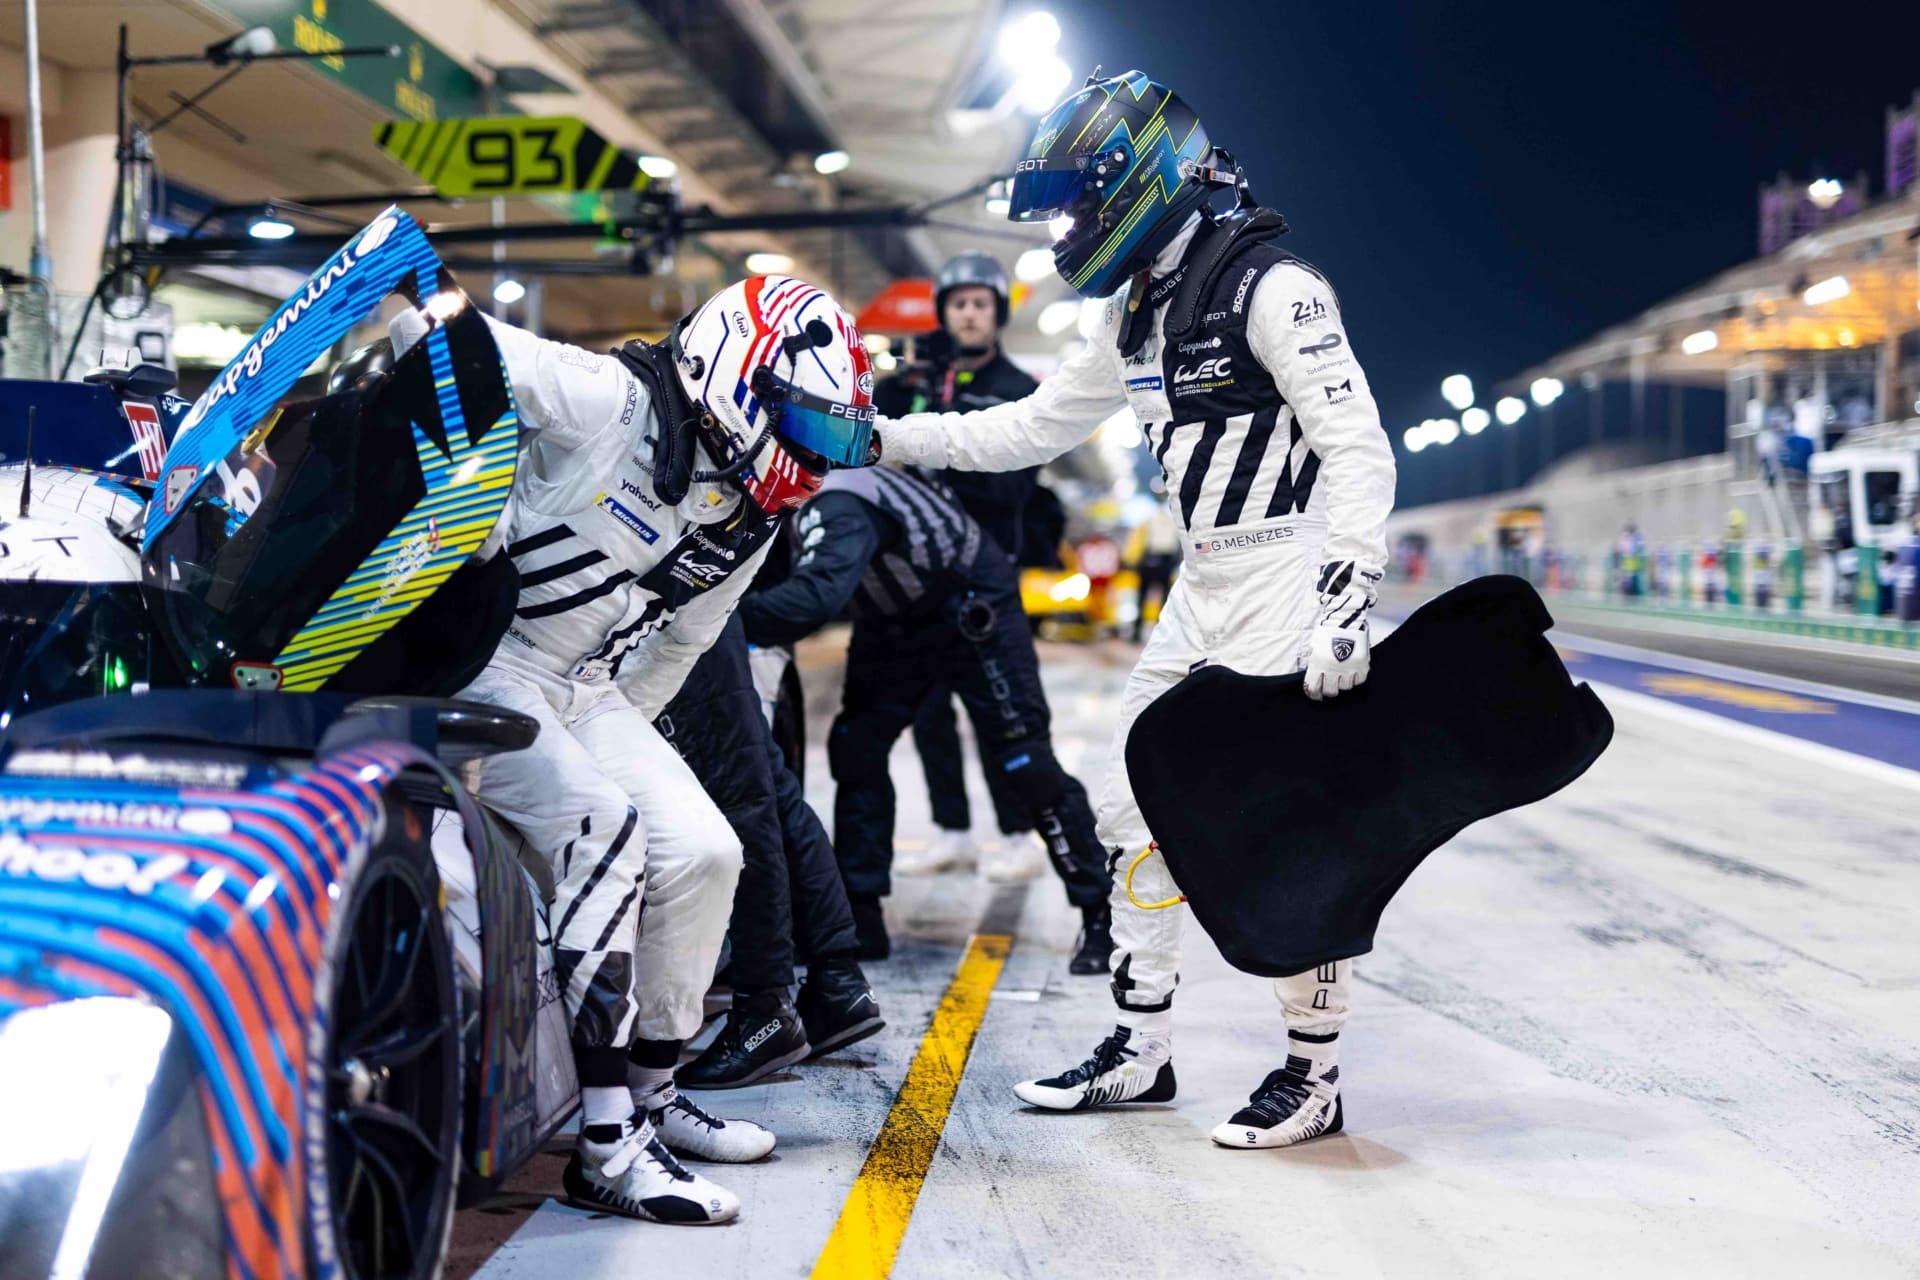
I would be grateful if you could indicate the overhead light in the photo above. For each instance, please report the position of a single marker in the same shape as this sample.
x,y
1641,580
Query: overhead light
x,y
999,206
1443,430
769,264
1700,343
1509,410
1831,289
1475,420
1457,390
1415,438
446,304
202,343
1028,47
1546,390
884,361
831,162
1059,225
1038,89
254,42
509,291
876,343
270,226
1825,192
1034,265
1029,37
658,167
1058,317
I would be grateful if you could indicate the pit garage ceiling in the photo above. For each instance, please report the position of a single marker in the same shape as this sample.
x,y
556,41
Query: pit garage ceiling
x,y
884,80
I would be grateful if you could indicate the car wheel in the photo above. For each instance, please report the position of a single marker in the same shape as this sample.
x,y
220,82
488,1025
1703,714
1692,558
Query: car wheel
x,y
393,1065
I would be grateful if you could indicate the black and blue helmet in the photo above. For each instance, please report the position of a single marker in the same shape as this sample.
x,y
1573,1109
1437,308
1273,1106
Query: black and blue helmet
x,y
1122,158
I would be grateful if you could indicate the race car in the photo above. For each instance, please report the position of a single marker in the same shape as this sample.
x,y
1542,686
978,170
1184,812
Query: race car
x,y
274,995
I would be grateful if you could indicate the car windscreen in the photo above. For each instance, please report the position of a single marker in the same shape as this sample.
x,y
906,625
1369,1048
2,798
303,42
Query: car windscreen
x,y
61,641
323,515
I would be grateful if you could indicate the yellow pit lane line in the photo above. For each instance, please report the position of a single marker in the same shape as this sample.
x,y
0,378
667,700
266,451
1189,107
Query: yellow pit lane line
x,y
874,1219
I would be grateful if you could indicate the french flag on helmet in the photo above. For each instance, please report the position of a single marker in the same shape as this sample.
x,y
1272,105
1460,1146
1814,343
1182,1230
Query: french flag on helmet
x,y
780,373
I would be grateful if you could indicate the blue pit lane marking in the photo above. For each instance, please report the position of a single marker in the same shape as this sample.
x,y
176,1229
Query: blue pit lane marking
x,y
1878,728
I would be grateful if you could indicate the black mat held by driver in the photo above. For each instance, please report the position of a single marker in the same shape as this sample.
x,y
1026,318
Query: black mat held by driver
x,y
1289,824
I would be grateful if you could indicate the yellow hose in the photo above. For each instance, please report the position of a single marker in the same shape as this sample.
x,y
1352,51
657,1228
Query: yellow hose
x,y
1174,901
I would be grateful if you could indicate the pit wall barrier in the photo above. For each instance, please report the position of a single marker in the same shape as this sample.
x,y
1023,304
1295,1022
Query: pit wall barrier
x,y
1737,581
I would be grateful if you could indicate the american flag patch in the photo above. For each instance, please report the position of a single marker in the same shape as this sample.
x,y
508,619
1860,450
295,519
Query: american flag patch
x,y
148,439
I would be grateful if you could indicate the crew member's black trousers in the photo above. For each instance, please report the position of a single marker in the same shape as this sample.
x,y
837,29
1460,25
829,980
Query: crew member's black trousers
x,y
936,736
980,647
789,882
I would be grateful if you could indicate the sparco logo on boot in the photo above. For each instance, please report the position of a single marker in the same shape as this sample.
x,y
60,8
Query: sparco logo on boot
x,y
761,1036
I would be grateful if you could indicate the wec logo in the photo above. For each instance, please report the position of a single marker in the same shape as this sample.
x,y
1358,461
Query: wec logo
x,y
705,571
1216,367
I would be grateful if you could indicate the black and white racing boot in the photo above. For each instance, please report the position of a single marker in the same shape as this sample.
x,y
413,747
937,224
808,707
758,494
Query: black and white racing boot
x,y
689,1131
763,1034
1295,1104
1124,1068
629,1171
837,1006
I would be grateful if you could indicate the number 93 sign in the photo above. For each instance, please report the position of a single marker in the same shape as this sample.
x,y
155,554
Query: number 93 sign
x,y
510,155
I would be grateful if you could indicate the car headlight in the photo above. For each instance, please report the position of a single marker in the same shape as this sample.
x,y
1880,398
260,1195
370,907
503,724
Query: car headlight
x,y
74,1078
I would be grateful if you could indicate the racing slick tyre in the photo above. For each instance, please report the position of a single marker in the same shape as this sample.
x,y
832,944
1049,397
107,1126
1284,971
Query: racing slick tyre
x,y
392,1054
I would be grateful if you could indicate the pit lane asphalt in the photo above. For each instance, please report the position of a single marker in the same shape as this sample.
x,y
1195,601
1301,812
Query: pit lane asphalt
x,y
1661,1024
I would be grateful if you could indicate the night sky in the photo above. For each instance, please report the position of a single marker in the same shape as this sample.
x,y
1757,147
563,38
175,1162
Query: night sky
x,y
1488,183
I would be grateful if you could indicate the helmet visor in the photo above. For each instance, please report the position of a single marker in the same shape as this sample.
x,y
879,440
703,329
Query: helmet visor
x,y
833,430
1071,185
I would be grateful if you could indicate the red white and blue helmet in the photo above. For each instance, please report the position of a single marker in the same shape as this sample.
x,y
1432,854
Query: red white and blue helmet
x,y
780,374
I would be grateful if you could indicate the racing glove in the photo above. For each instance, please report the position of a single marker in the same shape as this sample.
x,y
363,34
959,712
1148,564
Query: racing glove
x,y
1339,653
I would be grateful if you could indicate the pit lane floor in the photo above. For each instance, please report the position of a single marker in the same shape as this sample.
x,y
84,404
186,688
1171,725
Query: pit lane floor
x,y
1666,1023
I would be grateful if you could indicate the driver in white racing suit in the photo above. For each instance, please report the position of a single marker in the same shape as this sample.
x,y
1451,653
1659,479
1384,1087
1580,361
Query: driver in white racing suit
x,y
1233,357
650,486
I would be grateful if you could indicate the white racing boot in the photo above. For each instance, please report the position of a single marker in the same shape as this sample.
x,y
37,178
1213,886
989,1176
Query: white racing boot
x,y
1016,858
1297,1103
947,851
688,1130
1125,1067
635,1175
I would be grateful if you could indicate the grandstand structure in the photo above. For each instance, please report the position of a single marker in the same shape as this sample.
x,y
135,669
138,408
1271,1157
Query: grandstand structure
x,y
1814,347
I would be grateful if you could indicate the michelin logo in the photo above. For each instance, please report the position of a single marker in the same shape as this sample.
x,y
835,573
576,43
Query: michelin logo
x,y
1144,384
635,525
